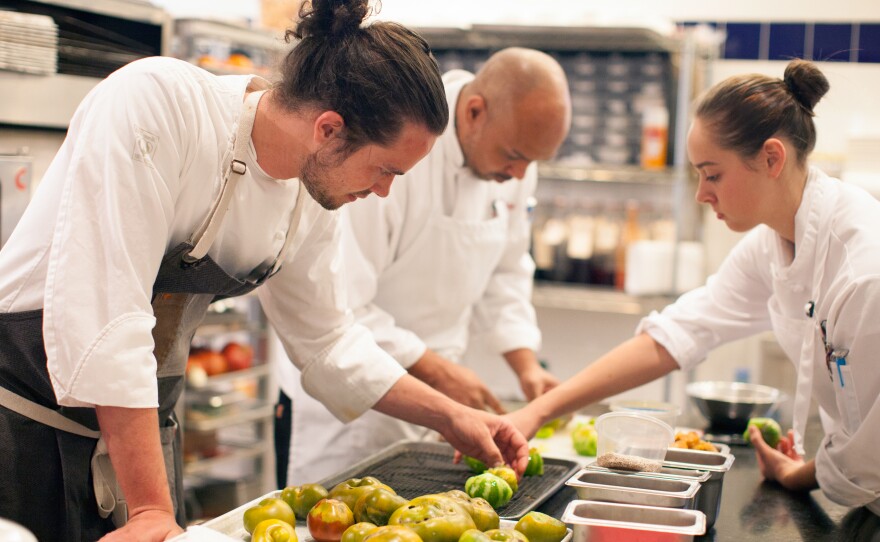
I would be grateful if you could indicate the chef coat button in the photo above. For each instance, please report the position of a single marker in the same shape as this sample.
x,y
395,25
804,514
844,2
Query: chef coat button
x,y
808,309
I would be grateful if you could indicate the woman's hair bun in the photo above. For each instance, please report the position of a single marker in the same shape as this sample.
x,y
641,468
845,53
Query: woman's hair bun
x,y
806,83
329,18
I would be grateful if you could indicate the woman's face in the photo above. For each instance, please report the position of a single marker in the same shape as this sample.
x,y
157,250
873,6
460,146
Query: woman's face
x,y
732,187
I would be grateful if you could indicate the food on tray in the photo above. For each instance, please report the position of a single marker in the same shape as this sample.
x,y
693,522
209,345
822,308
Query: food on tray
x,y
550,428
377,505
506,535
611,460
585,439
392,533
474,535
539,527
435,518
506,474
485,517
351,490
274,530
268,508
476,466
328,519
303,498
536,464
490,487
358,531
771,432
692,441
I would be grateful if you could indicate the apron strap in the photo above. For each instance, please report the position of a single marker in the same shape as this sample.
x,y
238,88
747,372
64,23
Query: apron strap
x,y
46,416
207,232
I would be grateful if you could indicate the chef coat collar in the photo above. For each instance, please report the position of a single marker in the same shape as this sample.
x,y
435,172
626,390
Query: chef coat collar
x,y
454,80
808,223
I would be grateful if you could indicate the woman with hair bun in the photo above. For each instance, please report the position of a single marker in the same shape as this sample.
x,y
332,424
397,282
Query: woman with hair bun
x,y
808,269
175,187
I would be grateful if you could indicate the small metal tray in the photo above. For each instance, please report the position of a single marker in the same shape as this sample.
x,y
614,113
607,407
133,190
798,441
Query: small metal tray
x,y
594,521
641,490
414,468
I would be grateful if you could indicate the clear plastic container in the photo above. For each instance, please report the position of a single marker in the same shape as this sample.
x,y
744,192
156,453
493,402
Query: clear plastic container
x,y
632,441
666,412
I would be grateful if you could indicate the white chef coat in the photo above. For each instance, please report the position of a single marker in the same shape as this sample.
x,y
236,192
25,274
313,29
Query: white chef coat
x,y
444,251
765,284
140,167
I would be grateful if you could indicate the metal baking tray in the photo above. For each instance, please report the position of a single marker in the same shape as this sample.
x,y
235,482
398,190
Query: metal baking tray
x,y
414,468
594,521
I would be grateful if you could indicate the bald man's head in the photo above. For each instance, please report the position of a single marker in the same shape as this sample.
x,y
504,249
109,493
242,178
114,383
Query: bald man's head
x,y
515,111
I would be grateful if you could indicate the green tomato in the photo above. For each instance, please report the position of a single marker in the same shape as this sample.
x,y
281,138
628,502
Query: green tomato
x,y
545,431
536,463
476,466
358,531
490,487
506,535
485,517
377,505
351,490
435,518
584,439
393,533
771,432
474,535
540,527
506,474
274,530
268,508
303,498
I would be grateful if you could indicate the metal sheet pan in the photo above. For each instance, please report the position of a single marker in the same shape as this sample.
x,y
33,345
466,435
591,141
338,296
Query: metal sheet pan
x,y
415,468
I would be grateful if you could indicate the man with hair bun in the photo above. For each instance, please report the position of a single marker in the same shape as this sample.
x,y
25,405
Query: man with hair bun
x,y
446,252
808,269
175,187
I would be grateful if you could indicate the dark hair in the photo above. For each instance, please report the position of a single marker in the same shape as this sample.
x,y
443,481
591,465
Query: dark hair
x,y
376,77
745,111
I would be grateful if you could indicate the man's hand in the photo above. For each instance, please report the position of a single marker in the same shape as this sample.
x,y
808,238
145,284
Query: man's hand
x,y
536,381
146,526
457,382
477,433
783,464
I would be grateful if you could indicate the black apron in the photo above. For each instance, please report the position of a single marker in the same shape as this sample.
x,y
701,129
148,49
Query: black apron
x,y
55,478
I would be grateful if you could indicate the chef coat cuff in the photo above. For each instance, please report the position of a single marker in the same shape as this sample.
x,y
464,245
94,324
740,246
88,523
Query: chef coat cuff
x,y
407,352
670,336
514,337
838,487
118,370
352,376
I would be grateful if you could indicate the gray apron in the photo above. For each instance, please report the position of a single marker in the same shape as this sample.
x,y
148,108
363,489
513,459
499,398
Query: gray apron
x,y
56,478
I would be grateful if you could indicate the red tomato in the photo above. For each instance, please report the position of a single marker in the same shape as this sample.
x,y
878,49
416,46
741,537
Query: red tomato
x,y
213,362
328,519
238,356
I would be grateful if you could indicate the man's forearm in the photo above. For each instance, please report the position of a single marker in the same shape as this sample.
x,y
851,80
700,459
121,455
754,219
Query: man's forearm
x,y
132,436
521,360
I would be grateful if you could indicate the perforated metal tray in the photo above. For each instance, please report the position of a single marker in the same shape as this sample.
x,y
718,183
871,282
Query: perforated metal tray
x,y
415,468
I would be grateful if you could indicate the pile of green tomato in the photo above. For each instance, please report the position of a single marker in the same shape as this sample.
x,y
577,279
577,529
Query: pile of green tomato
x,y
367,510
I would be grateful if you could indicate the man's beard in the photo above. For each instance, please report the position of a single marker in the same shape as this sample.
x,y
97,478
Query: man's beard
x,y
313,175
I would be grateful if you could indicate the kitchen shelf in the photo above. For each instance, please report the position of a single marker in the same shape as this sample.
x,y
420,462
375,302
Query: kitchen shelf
x,y
257,371
218,422
620,174
585,298
228,452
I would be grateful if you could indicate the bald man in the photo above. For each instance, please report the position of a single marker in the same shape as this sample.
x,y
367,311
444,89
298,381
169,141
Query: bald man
x,y
447,252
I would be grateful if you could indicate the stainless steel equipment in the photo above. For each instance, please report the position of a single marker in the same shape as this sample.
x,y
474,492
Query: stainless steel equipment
x,y
642,490
729,405
602,521
709,496
15,191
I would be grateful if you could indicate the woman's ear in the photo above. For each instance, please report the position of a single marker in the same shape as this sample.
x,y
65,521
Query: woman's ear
x,y
775,154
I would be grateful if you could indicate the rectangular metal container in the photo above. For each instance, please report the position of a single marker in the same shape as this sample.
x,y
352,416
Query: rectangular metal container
x,y
664,472
717,464
594,521
418,468
629,489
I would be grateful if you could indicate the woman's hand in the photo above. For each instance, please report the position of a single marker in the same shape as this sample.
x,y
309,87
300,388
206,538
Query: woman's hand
x,y
783,464
146,526
526,420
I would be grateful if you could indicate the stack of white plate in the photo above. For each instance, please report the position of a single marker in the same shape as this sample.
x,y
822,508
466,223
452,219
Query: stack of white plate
x,y
28,43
